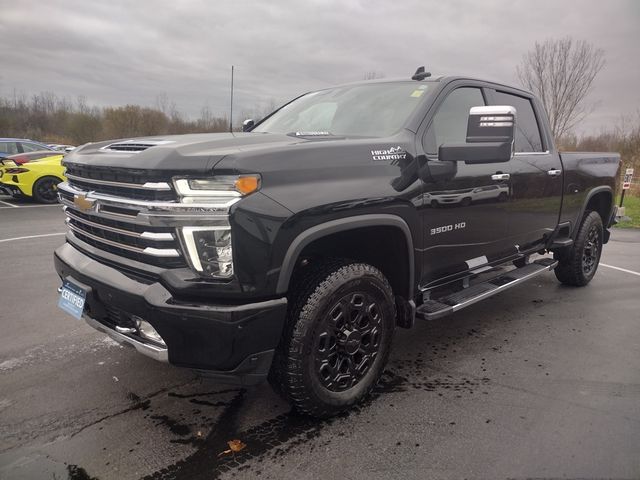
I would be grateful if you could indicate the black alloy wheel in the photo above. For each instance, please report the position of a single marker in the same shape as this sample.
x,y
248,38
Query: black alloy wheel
x,y
348,342
591,251
45,190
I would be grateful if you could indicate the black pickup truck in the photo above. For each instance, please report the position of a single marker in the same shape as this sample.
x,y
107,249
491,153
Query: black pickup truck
x,y
293,250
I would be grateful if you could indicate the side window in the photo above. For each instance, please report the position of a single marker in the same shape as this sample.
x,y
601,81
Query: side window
x,y
449,124
31,147
527,132
8,148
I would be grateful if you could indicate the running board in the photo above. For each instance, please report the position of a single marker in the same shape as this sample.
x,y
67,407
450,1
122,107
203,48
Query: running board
x,y
433,309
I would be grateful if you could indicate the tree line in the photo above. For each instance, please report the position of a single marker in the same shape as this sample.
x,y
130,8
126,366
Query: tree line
x,y
49,118
623,137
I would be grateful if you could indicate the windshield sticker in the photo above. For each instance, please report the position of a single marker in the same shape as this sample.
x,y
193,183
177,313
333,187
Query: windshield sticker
x,y
391,153
417,93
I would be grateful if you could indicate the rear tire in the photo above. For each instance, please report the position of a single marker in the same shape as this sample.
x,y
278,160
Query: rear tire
x,y
578,264
337,340
45,190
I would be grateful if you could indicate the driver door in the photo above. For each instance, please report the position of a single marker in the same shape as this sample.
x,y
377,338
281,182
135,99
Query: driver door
x,y
465,206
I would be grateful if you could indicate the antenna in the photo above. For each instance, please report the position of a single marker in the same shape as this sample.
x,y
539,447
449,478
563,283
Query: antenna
x,y
420,74
231,109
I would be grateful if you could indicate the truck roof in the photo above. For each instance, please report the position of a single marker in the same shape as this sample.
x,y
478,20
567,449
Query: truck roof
x,y
440,79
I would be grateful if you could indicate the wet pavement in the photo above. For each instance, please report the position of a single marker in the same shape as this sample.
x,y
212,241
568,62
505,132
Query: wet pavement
x,y
542,381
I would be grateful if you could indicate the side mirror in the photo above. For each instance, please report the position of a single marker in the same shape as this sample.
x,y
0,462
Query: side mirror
x,y
248,124
490,134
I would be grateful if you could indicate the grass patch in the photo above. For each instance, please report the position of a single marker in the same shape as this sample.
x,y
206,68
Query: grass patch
x,y
632,209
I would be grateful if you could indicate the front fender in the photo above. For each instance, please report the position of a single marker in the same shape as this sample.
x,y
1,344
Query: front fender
x,y
340,225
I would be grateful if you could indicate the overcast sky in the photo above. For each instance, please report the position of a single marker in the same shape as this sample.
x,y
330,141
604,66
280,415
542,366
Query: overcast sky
x,y
117,52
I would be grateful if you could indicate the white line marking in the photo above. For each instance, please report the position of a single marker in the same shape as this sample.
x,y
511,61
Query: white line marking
x,y
31,236
621,269
10,204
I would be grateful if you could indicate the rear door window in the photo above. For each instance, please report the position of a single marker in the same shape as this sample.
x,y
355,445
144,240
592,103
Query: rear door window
x,y
8,148
528,137
32,147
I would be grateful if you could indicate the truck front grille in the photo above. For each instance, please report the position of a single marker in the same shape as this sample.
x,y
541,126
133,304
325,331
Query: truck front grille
x,y
125,183
132,219
114,225
152,245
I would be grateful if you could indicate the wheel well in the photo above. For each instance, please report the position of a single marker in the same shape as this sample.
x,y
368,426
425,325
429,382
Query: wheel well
x,y
601,202
384,247
48,176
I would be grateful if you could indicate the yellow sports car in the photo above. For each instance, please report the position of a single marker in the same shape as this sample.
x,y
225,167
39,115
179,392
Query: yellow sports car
x,y
37,179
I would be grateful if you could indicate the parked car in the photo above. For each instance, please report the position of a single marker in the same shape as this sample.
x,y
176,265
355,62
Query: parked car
x,y
21,158
37,179
12,146
61,147
293,251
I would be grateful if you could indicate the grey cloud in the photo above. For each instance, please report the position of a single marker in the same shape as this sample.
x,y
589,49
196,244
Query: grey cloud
x,y
121,52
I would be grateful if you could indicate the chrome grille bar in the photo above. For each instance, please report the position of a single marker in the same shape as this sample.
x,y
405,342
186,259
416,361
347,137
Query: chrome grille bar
x,y
164,209
144,235
145,186
155,252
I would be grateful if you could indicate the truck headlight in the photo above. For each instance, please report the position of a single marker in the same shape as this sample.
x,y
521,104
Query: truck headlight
x,y
209,250
216,189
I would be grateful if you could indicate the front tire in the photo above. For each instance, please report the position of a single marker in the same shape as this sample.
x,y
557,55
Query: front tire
x,y
338,337
578,265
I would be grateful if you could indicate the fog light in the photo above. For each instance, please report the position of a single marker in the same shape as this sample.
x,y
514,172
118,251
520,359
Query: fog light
x,y
147,331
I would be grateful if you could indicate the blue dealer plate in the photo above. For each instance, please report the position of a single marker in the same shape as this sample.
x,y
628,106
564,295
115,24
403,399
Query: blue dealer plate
x,y
72,299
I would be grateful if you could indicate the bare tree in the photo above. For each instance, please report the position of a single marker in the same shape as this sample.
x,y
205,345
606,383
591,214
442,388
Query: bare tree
x,y
561,72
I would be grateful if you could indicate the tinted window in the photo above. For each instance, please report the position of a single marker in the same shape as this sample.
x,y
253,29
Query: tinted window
x,y
450,122
33,147
527,132
8,148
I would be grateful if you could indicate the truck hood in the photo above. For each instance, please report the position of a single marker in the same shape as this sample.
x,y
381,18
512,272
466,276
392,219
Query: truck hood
x,y
193,153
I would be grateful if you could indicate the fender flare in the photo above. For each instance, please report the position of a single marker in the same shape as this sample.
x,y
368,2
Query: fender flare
x,y
340,225
593,192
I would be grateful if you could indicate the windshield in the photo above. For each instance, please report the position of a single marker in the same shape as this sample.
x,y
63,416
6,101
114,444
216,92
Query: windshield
x,y
370,110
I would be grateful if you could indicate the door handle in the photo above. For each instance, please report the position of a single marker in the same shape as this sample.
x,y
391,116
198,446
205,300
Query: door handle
x,y
554,172
500,176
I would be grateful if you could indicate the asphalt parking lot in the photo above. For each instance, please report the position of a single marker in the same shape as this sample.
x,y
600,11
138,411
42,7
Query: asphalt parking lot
x,y
542,381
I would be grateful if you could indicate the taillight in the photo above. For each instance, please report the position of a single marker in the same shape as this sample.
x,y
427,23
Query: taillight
x,y
16,170
20,160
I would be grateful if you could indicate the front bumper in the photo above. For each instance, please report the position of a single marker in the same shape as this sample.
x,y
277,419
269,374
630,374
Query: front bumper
x,y
234,343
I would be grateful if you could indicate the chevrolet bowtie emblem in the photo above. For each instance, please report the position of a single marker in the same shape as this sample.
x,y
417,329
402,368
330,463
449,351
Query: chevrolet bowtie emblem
x,y
83,203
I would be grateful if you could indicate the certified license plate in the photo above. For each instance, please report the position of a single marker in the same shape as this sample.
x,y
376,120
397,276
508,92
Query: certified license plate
x,y
72,298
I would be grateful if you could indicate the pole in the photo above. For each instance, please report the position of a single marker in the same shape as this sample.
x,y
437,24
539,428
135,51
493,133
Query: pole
x,y
231,109
622,197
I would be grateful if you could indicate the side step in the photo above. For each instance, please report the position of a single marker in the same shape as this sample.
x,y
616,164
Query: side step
x,y
561,243
433,309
